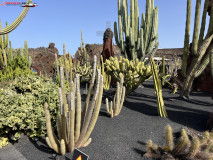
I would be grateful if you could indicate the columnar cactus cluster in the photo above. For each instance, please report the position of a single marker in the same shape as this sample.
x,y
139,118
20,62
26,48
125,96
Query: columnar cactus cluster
x,y
135,72
117,104
85,71
185,149
141,40
82,54
74,126
201,49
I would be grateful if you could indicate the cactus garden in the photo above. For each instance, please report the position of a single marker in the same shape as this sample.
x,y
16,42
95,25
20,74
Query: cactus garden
x,y
124,99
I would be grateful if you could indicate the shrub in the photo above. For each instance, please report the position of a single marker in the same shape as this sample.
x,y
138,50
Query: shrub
x,y
17,67
22,103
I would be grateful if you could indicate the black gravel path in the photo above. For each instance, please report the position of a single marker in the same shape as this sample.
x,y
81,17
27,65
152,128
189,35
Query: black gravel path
x,y
124,137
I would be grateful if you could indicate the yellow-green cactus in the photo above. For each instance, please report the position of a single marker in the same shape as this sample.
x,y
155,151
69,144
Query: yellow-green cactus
x,y
134,72
158,89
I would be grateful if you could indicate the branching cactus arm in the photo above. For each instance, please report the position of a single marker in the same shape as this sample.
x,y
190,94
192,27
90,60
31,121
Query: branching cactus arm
x,y
15,24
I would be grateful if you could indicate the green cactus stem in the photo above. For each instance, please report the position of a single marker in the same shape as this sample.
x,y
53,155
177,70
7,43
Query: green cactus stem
x,y
169,138
26,51
140,40
15,24
201,48
158,90
116,106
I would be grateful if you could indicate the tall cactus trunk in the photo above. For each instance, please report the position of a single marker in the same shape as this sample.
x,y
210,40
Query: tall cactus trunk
x,y
201,48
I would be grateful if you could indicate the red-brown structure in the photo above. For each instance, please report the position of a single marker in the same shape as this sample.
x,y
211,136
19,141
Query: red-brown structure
x,y
107,45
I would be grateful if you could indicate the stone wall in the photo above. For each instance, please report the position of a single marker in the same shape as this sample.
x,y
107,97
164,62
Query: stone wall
x,y
43,59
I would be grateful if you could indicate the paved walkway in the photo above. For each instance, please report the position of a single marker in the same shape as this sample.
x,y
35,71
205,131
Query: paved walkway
x,y
10,153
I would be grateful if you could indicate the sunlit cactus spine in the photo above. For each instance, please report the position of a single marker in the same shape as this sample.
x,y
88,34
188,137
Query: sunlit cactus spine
x,y
115,107
201,48
74,126
141,39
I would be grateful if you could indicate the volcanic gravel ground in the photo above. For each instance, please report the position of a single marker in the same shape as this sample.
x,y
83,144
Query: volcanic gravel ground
x,y
124,137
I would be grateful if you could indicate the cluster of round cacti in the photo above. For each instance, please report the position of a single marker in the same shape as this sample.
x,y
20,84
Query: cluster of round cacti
x,y
184,149
135,72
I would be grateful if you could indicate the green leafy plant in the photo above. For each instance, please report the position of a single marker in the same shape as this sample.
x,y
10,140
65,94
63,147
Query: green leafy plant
x,y
22,103
16,67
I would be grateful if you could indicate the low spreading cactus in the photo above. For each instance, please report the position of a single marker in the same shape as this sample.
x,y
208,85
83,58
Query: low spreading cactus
x,y
134,72
184,148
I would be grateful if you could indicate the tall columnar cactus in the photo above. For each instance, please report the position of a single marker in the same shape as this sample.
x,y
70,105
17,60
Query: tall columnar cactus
x,y
158,90
65,59
201,49
26,50
3,47
15,24
196,149
82,54
117,104
141,40
73,126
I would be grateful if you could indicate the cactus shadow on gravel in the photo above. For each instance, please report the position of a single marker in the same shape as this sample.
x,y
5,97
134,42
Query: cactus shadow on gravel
x,y
41,145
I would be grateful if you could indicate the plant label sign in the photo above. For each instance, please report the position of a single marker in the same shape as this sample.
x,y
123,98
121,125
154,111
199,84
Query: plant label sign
x,y
78,155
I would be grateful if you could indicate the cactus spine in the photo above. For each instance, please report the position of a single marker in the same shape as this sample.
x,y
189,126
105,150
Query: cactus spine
x,y
71,133
201,48
117,104
141,41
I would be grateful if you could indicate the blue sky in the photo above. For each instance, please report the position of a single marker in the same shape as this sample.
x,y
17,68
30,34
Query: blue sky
x,y
61,22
